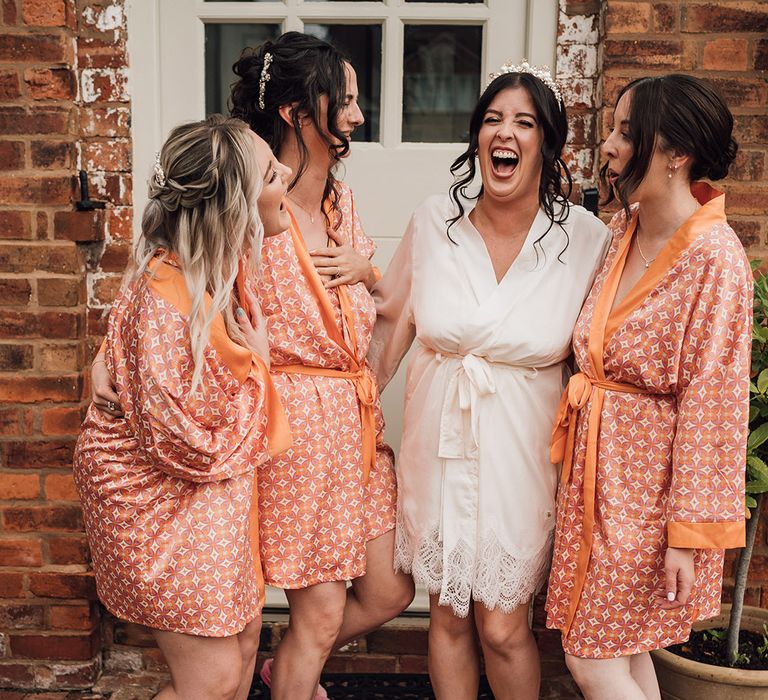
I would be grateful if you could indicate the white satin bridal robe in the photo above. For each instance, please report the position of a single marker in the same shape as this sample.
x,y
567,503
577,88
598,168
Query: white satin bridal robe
x,y
476,490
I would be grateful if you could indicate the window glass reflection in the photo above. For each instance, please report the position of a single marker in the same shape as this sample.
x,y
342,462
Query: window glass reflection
x,y
441,81
362,44
223,45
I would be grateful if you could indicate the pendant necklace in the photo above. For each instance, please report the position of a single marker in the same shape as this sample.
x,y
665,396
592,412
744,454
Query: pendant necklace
x,y
301,206
640,250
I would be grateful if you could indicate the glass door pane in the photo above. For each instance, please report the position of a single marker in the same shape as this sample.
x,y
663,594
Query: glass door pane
x,y
361,43
223,45
441,81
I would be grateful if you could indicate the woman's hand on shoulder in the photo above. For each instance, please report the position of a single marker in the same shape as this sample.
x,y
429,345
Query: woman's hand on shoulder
x,y
342,264
103,392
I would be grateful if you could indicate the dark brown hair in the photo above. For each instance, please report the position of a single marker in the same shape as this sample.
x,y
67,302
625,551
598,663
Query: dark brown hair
x,y
676,112
556,183
302,69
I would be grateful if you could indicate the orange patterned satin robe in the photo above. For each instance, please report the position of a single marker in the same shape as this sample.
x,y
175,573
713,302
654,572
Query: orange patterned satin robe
x,y
652,434
334,490
168,490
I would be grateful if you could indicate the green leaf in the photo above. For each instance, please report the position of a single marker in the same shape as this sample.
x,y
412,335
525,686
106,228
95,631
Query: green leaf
x,y
750,502
757,436
762,381
753,388
758,467
757,486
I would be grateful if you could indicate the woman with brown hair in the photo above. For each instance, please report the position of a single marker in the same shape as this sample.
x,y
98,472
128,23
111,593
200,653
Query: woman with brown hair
x,y
327,506
652,429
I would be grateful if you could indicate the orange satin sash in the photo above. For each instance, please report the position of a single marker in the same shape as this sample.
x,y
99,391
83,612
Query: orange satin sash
x,y
359,372
576,395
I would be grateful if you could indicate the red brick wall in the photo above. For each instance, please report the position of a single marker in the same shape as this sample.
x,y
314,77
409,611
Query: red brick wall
x,y
727,43
62,107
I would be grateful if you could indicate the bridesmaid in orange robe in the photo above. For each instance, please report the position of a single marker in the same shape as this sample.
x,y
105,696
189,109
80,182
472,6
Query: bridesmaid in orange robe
x,y
327,505
652,429
168,489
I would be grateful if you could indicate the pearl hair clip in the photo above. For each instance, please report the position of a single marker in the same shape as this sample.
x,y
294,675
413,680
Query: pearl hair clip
x,y
540,72
157,169
264,79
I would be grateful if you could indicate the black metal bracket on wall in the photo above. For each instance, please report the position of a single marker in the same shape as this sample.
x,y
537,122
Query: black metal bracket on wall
x,y
86,203
590,200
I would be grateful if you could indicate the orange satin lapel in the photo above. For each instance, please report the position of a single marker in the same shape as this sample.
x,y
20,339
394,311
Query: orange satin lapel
x,y
168,283
711,212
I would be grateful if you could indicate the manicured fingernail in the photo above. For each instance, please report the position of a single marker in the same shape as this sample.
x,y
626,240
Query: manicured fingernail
x,y
240,311
670,596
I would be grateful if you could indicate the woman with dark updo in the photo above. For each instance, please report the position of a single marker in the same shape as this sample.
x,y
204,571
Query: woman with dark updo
x,y
652,429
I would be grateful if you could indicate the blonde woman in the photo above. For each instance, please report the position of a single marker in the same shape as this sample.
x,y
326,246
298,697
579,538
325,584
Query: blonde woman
x,y
168,487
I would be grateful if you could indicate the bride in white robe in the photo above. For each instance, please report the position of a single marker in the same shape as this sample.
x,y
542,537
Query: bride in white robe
x,y
492,329
476,490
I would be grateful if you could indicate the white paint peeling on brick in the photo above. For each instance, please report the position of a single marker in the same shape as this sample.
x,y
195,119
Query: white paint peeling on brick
x,y
578,29
108,19
88,91
578,73
575,60
579,91
117,79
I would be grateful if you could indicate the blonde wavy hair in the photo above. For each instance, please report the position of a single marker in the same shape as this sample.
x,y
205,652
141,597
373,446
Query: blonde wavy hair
x,y
202,209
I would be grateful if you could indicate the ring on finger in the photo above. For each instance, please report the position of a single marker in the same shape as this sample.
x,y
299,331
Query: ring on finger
x,y
111,406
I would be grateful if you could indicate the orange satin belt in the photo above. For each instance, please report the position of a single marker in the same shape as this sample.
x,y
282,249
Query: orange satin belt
x,y
576,395
367,391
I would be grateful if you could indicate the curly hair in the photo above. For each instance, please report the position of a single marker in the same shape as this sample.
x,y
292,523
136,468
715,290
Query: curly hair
x,y
556,183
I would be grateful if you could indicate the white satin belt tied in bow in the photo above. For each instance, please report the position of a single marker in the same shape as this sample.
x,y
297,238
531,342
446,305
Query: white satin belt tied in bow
x,y
472,380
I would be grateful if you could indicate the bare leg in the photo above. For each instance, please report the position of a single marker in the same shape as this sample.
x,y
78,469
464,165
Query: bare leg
x,y
454,661
316,614
248,641
605,679
377,596
642,670
202,668
511,655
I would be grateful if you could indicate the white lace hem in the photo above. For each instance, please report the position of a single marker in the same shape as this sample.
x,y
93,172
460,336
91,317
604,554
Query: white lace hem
x,y
490,576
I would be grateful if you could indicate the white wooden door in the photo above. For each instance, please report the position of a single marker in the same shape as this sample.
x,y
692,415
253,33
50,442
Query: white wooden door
x,y
413,133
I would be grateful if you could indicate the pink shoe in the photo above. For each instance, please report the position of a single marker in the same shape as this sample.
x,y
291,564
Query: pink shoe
x,y
266,676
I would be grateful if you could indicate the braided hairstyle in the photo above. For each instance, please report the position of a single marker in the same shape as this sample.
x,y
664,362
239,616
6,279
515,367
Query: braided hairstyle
x,y
203,209
302,69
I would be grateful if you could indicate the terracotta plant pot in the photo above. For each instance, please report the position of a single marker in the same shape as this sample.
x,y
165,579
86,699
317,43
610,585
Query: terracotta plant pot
x,y
683,679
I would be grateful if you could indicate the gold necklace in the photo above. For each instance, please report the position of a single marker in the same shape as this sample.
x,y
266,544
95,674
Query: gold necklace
x,y
301,206
640,250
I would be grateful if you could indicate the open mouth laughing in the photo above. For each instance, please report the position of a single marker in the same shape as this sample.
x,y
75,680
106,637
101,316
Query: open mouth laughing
x,y
504,162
